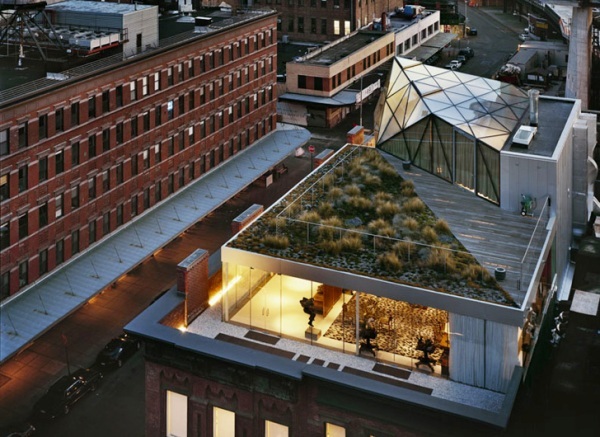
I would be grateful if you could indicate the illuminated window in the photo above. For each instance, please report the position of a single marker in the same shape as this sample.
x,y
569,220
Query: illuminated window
x,y
273,429
332,430
336,27
223,422
176,414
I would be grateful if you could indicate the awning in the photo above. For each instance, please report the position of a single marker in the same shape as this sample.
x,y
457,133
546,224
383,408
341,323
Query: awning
x,y
343,98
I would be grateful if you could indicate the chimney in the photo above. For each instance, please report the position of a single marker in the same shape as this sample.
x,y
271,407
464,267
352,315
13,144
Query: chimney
x,y
534,97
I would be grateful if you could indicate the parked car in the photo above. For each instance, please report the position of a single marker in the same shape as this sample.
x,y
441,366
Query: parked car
x,y
454,64
524,37
117,351
66,391
462,59
471,31
467,52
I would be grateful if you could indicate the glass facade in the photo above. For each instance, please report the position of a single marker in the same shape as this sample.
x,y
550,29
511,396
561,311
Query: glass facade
x,y
451,124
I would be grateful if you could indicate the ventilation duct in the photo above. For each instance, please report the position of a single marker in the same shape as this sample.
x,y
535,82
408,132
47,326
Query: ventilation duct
x,y
534,98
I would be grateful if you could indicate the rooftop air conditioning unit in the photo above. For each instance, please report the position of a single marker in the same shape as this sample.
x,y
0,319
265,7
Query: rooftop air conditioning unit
x,y
524,136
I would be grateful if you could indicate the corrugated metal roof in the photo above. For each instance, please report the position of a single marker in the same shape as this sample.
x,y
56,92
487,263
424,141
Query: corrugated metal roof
x,y
36,309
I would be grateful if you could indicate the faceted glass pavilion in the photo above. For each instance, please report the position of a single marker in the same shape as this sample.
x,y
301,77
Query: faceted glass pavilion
x,y
451,124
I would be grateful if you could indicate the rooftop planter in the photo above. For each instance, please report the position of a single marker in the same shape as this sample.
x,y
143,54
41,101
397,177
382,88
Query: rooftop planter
x,y
356,213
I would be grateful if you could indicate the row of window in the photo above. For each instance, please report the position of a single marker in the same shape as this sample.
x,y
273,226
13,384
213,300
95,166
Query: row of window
x,y
212,124
317,25
405,46
223,421
141,88
56,207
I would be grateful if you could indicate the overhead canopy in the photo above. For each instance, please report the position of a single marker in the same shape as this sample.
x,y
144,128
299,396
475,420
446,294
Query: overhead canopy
x,y
486,109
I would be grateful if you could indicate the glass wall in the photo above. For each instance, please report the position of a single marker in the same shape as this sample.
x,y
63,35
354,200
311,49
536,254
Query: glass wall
x,y
348,320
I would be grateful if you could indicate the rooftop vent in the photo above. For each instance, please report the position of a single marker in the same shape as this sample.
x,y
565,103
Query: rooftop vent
x,y
524,135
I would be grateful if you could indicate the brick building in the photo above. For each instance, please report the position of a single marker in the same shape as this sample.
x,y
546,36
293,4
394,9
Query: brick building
x,y
319,21
91,149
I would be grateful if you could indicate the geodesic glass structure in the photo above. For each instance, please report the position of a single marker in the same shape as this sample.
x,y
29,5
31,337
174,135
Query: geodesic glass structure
x,y
451,124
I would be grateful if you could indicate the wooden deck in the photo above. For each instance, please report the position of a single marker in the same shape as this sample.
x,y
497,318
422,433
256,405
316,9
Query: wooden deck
x,y
496,237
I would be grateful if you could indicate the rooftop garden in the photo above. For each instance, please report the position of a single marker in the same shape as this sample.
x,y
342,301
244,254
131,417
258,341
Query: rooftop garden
x,y
356,213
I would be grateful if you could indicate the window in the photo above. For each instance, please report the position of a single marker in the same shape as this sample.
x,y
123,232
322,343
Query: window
x,y
273,429
170,109
223,422
332,430
301,81
59,205
191,135
23,182
92,187
146,120
290,24
192,172
134,165
180,73
92,107
157,156
158,192
23,226
132,91
146,159
60,252
190,65
171,184
92,146
43,257
4,235
192,99
171,146
43,126
75,154
119,215
4,285
59,120
119,133
43,215
156,81
300,24
347,27
92,232
313,25
144,86
43,169
105,181
59,162
147,198
74,114
181,105
158,115
23,137
75,197
75,242
134,206
4,141
119,173
106,223
177,414
23,274
181,177
106,140
170,76
134,126
4,187
119,95
105,102
336,27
